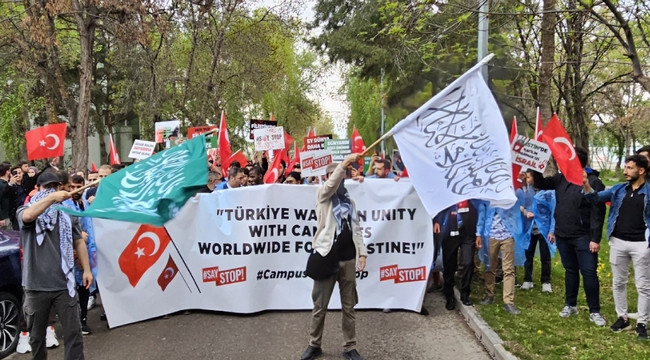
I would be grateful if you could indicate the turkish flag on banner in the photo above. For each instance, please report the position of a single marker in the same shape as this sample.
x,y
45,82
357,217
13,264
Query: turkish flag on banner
x,y
224,143
45,141
168,274
114,156
143,251
563,151
358,146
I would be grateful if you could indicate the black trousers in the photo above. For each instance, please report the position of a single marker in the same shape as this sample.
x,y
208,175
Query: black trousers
x,y
466,242
545,257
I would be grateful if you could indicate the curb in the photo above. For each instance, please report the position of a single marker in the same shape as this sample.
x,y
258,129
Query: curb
x,y
488,337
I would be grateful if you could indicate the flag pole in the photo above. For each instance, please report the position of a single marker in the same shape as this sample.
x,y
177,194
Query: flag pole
x,y
382,138
81,189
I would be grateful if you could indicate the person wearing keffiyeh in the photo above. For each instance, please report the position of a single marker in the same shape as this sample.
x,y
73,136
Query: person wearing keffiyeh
x,y
49,238
338,233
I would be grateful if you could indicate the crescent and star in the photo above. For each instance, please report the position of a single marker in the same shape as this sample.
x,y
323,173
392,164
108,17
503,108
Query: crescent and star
x,y
154,239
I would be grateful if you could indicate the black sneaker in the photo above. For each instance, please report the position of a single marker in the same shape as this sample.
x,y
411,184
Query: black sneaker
x,y
641,332
85,329
352,355
311,353
620,325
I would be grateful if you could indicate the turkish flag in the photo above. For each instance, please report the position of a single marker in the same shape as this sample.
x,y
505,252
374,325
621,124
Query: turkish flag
x,y
273,173
168,274
285,152
144,249
516,168
45,141
563,151
114,156
296,158
358,146
239,157
224,144
93,167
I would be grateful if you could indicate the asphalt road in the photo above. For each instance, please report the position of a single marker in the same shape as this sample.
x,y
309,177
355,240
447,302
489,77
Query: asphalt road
x,y
399,335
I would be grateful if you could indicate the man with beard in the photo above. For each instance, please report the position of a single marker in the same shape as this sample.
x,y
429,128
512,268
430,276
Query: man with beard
x,y
627,231
255,176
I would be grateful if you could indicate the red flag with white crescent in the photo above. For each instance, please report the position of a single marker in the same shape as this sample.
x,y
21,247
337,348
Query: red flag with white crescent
x,y
167,274
225,151
142,252
558,140
516,168
45,141
114,156
358,145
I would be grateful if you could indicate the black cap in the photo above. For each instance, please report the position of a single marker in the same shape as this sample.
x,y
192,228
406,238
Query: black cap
x,y
48,178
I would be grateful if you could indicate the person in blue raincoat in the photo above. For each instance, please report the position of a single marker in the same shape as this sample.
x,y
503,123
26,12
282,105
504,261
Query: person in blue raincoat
x,y
539,224
501,231
76,203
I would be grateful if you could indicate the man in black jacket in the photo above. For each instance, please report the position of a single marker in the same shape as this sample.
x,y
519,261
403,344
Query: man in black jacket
x,y
456,226
578,229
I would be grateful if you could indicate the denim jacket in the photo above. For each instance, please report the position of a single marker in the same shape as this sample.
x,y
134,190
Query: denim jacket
x,y
513,221
615,194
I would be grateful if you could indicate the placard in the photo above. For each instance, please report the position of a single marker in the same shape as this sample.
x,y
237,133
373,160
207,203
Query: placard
x,y
199,130
314,163
316,142
340,148
142,149
269,138
166,129
530,153
260,124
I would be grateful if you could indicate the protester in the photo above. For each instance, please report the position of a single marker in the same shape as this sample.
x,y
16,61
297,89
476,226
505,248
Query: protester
x,y
629,214
48,238
456,226
540,228
76,203
578,229
501,232
383,170
235,178
19,194
293,178
103,171
645,151
214,178
244,179
339,243
256,176
7,196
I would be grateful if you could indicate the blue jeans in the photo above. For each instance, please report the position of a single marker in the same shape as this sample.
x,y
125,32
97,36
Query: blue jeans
x,y
576,256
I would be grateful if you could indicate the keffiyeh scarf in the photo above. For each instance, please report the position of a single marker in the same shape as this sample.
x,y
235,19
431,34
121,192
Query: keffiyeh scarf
x,y
46,222
342,208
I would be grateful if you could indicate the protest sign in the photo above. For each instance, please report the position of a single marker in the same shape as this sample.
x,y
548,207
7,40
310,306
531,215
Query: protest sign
x,y
340,148
530,153
166,129
199,130
255,253
260,124
316,142
142,149
269,138
314,163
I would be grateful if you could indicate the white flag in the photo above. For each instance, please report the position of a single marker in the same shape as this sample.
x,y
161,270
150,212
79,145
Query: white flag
x,y
456,147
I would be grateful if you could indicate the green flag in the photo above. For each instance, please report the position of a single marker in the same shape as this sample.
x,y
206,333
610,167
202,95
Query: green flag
x,y
153,190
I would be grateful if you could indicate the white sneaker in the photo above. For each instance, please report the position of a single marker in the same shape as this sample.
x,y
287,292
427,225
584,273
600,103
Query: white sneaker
x,y
527,285
597,319
633,316
568,311
546,288
91,302
23,343
50,338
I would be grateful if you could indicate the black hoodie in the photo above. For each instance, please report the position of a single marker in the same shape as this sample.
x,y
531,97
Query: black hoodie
x,y
574,216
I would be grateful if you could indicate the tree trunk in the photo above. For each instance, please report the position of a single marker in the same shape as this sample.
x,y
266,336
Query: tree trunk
x,y
85,20
548,60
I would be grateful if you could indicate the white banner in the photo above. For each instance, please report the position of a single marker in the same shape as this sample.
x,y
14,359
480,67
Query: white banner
x,y
244,250
314,162
269,138
167,129
141,149
530,153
